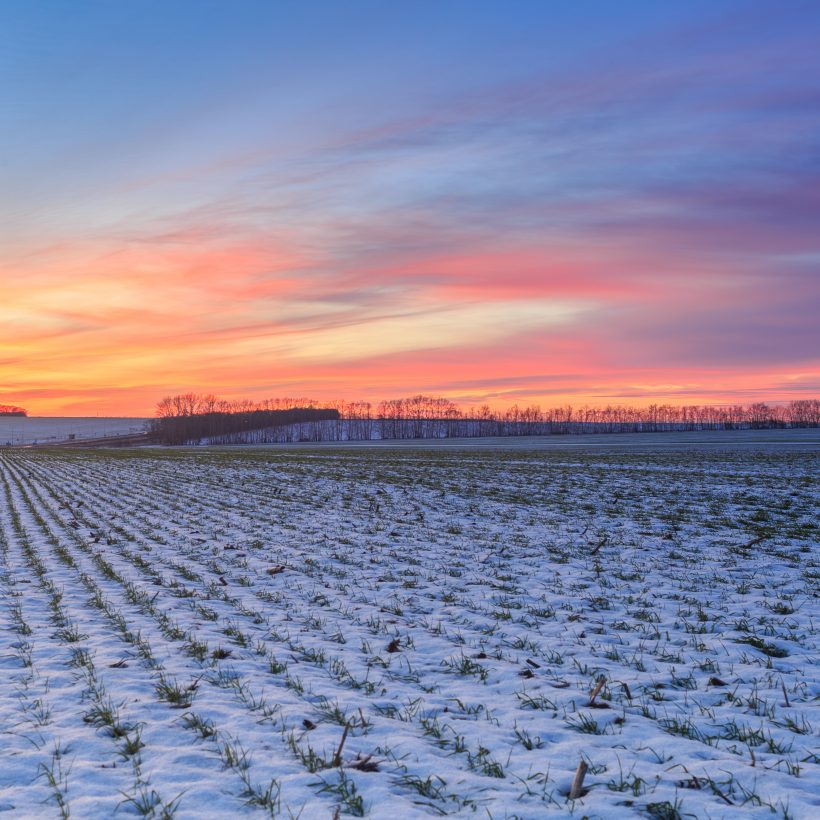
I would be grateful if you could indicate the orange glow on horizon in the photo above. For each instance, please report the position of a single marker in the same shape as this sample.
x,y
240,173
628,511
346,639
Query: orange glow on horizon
x,y
111,329
594,207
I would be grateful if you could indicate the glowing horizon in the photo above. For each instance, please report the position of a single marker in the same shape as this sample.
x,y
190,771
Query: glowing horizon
x,y
499,203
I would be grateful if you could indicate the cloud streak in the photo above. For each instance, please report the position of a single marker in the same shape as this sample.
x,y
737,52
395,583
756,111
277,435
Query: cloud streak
x,y
635,217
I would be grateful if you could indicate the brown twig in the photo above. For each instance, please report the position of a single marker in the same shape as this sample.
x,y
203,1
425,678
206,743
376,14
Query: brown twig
x,y
598,546
337,758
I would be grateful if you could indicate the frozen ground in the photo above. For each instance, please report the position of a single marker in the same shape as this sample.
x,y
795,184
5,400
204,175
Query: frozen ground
x,y
410,632
19,430
777,440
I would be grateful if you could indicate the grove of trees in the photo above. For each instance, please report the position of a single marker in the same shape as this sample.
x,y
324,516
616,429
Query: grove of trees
x,y
191,417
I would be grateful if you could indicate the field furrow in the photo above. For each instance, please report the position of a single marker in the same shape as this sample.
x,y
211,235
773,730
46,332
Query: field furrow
x,y
415,633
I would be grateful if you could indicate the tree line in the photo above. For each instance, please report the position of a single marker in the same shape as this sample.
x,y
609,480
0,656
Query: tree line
x,y
192,417
11,410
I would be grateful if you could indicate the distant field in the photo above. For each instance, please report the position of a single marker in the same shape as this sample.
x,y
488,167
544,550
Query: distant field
x,y
411,632
22,430
776,440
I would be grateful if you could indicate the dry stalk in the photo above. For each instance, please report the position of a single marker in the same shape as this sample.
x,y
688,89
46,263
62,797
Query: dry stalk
x,y
596,691
337,758
577,788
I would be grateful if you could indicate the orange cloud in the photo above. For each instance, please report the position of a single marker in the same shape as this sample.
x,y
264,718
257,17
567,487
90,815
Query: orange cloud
x,y
110,327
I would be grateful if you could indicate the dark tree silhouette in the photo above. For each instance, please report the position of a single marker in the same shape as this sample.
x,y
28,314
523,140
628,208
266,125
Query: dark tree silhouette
x,y
191,417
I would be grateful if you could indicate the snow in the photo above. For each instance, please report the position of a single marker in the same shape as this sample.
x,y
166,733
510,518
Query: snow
x,y
757,440
19,430
233,610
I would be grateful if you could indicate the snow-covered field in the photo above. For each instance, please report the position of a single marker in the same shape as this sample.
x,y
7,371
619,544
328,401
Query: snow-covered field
x,y
757,440
19,430
403,633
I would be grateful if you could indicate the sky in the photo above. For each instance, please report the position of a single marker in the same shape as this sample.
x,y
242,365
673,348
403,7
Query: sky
x,y
496,202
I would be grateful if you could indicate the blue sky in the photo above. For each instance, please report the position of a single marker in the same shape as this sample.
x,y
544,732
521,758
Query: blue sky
x,y
611,200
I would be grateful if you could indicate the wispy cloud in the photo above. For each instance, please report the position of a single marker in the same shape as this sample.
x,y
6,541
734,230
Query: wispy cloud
x,y
638,221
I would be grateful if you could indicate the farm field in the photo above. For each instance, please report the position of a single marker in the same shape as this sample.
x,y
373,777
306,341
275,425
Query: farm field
x,y
26,430
317,632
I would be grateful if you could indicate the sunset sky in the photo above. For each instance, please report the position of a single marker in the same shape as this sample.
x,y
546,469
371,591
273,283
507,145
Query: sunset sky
x,y
503,202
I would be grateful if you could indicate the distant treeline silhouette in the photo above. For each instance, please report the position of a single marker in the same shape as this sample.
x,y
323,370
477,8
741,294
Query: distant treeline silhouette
x,y
11,410
193,417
